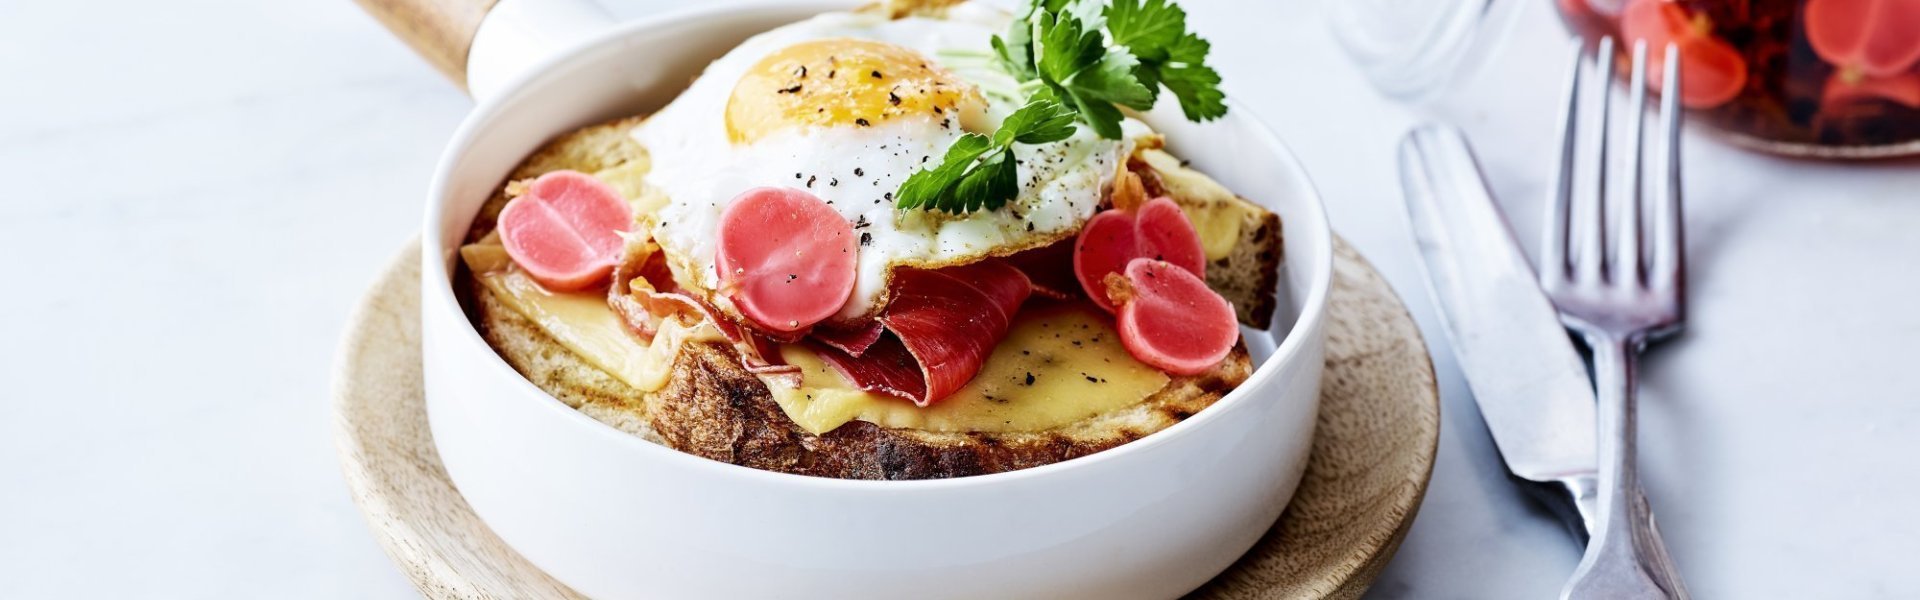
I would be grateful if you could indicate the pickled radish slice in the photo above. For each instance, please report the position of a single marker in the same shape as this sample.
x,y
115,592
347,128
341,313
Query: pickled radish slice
x,y
1875,37
1170,319
1842,89
786,259
1711,70
1166,234
1157,230
565,230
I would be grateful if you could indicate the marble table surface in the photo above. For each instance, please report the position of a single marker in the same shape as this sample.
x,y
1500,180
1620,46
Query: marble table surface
x,y
200,190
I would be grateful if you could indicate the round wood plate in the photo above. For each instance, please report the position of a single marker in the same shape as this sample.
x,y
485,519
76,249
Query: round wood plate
x,y
1378,428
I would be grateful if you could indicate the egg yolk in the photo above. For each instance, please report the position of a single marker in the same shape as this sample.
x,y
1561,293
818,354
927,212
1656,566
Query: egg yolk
x,y
847,83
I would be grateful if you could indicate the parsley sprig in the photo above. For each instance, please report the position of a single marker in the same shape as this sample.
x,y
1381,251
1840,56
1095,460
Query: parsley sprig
x,y
978,169
1155,33
1077,73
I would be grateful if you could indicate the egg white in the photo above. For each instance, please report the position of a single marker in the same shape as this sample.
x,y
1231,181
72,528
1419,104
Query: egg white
x,y
856,169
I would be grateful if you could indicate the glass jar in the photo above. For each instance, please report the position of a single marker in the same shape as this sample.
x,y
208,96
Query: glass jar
x,y
1815,78
1821,78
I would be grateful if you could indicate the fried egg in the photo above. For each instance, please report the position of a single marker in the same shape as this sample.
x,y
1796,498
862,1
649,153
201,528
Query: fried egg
x,y
847,106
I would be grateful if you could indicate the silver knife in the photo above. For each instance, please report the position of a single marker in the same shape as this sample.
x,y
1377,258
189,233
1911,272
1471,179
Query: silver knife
x,y
1531,386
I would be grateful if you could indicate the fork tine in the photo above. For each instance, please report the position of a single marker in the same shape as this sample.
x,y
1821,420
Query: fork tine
x,y
1627,266
1591,262
1554,244
1669,230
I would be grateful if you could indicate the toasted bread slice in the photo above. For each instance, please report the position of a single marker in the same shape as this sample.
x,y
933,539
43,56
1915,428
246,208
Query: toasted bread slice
x,y
715,408
712,407
555,369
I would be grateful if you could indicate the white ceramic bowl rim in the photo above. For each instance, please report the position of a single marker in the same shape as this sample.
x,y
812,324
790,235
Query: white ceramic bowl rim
x,y
438,293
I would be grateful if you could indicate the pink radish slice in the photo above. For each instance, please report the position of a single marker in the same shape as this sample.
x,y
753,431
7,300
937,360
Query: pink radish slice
x,y
786,259
1842,90
1876,37
1715,72
1170,319
1158,230
1166,234
565,231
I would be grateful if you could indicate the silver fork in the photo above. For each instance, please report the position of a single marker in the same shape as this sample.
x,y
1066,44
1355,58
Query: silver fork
x,y
1619,295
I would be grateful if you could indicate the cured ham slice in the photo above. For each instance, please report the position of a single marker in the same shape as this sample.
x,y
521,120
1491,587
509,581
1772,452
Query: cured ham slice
x,y
950,319
886,367
936,333
941,325
851,339
1050,268
644,293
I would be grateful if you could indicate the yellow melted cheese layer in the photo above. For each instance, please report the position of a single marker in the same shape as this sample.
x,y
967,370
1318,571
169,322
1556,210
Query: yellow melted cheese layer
x,y
582,322
1058,364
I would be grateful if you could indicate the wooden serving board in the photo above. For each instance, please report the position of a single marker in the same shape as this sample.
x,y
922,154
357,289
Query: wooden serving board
x,y
1379,426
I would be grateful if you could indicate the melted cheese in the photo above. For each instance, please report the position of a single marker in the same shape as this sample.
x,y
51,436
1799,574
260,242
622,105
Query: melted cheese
x,y
582,322
1058,364
1216,213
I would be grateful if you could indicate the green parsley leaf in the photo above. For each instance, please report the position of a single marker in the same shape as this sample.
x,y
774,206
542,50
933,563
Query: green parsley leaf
x,y
1195,84
1057,50
1039,122
1015,51
989,184
1112,79
934,188
1065,47
1154,31
980,171
1101,115
1075,64
1147,30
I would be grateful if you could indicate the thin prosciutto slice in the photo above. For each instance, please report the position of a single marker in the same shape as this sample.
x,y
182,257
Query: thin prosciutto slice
x,y
644,293
853,339
885,367
1050,268
936,333
941,325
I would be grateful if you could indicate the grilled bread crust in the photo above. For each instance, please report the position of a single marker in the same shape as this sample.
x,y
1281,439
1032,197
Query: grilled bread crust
x,y
714,408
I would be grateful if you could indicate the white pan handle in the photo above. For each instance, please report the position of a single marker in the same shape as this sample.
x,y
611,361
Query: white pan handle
x,y
518,34
484,44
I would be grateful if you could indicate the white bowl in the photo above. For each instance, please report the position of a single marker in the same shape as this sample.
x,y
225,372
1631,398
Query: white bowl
x,y
615,516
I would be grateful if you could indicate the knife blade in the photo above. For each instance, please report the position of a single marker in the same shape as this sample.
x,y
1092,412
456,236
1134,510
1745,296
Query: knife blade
x,y
1531,386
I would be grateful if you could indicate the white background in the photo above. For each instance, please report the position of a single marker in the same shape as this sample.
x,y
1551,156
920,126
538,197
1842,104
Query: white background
x,y
197,192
